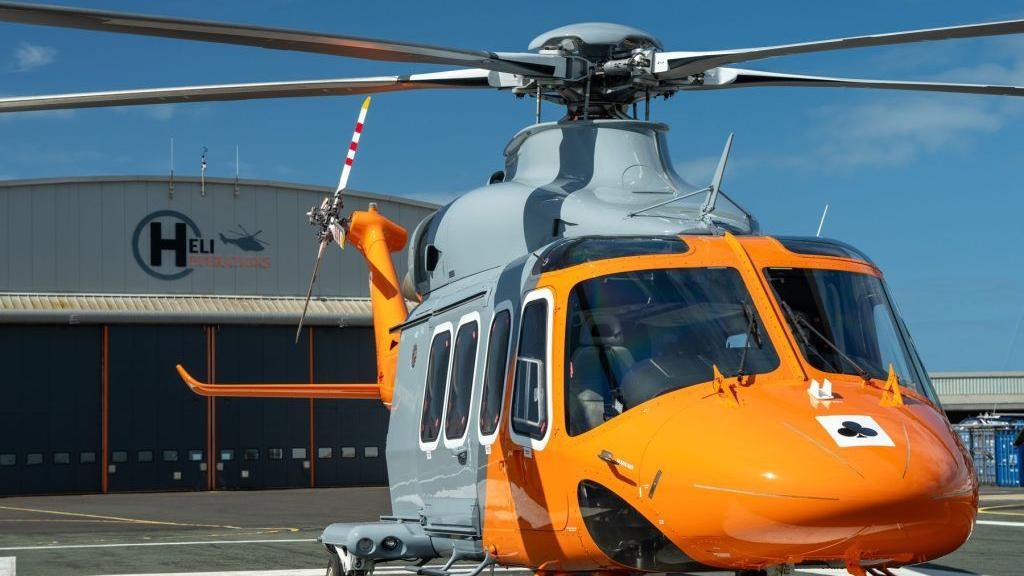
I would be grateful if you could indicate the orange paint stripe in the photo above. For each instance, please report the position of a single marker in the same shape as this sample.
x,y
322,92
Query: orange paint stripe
x,y
105,414
213,403
312,434
210,462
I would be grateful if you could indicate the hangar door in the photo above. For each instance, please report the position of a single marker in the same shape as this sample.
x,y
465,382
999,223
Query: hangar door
x,y
50,402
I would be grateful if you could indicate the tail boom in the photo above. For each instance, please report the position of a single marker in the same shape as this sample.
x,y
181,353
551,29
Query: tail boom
x,y
377,237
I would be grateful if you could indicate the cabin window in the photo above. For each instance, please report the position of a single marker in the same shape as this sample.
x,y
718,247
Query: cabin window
x,y
494,372
460,388
433,393
529,391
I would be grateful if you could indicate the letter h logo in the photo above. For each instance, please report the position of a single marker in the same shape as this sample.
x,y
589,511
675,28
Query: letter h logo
x,y
158,244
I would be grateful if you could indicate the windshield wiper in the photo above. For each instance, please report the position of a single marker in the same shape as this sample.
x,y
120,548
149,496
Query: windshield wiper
x,y
796,319
752,332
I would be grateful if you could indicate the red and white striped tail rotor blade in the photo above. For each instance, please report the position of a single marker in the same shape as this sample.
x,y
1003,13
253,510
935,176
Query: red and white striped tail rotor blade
x,y
351,156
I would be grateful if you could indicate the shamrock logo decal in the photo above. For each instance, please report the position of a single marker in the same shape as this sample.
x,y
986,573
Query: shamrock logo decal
x,y
852,429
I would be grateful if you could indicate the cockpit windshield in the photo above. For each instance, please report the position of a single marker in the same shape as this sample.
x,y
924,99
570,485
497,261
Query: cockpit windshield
x,y
844,324
631,336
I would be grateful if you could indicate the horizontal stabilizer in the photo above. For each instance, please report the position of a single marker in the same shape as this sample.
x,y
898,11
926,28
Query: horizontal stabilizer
x,y
350,391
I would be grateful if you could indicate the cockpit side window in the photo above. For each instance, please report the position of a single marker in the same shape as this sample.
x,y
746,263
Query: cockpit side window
x,y
433,393
460,387
632,336
495,370
844,324
530,387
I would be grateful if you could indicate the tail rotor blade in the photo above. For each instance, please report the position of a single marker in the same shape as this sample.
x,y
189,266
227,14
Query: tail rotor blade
x,y
351,156
312,281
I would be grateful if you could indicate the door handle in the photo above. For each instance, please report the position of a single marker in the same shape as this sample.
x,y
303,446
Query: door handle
x,y
610,458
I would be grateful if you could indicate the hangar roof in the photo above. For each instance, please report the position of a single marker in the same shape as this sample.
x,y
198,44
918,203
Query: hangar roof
x,y
164,179
36,308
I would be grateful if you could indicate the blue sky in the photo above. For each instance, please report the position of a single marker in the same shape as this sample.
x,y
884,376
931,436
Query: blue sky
x,y
929,185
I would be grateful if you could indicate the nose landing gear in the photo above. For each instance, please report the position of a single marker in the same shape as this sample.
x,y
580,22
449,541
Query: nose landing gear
x,y
341,563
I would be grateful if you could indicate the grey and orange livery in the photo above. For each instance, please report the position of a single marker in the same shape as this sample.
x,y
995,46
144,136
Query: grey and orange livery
x,y
594,341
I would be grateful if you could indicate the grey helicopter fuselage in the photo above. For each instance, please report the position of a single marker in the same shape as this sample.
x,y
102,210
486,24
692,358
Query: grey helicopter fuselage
x,y
475,258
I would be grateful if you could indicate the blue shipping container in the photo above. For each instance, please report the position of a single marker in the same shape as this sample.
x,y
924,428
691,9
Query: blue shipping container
x,y
1007,457
983,452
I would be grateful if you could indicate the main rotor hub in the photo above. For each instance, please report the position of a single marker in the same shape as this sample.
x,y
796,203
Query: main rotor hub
x,y
614,63
612,39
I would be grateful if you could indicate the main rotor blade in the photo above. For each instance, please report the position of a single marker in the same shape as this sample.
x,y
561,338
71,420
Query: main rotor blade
x,y
719,78
279,39
468,78
669,65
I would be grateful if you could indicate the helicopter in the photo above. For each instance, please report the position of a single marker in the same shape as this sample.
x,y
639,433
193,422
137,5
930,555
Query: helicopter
x,y
244,240
595,341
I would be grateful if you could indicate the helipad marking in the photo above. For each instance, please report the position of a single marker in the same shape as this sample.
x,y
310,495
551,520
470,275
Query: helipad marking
x,y
389,571
133,544
100,517
1000,523
896,571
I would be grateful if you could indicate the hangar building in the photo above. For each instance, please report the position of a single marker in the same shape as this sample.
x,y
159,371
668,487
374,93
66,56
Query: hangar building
x,y
106,283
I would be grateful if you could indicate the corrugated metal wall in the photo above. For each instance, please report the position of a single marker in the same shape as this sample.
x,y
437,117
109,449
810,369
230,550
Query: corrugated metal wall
x,y
104,228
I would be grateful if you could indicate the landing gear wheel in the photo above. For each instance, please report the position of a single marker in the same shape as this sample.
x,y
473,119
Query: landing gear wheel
x,y
342,563
333,566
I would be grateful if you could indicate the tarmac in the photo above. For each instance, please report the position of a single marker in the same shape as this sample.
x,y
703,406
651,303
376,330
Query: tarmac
x,y
273,533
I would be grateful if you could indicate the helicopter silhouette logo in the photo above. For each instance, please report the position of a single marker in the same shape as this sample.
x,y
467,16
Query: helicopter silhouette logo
x,y
244,240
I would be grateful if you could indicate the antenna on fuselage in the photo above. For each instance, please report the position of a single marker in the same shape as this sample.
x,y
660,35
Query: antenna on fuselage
x,y
716,182
821,224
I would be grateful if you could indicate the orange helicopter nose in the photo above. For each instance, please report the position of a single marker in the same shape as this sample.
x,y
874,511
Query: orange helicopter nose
x,y
810,481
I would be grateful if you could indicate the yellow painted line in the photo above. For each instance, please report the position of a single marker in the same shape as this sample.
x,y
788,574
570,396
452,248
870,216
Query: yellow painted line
x,y
136,544
136,520
989,510
51,520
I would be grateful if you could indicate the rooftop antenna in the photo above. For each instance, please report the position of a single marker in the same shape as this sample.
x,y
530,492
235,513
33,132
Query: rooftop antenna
x,y
821,224
538,103
202,177
236,170
170,183
716,182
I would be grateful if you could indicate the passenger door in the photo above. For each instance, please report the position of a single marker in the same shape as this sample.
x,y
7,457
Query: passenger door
x,y
447,472
539,505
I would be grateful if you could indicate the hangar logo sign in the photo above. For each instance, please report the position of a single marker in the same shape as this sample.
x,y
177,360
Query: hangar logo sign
x,y
168,245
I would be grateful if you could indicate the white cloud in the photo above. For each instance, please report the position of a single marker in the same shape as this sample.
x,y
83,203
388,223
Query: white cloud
x,y
31,56
892,128
160,112
896,130
697,171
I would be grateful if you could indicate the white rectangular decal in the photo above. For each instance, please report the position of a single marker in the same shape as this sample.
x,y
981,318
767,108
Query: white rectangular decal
x,y
851,430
